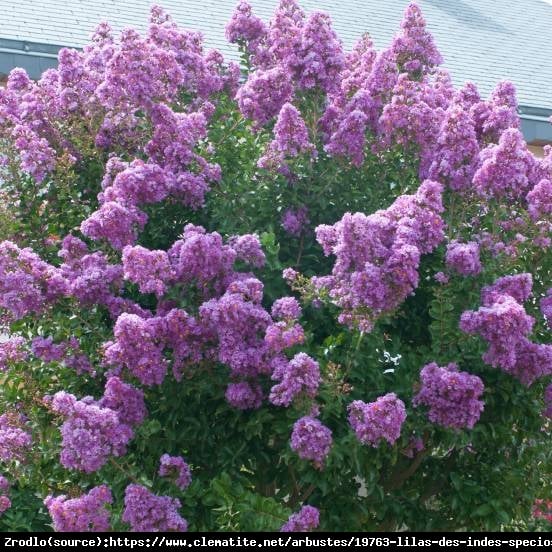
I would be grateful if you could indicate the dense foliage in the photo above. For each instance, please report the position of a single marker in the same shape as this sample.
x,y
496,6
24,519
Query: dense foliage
x,y
308,291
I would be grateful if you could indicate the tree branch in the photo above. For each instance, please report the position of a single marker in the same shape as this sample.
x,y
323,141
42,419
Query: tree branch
x,y
398,478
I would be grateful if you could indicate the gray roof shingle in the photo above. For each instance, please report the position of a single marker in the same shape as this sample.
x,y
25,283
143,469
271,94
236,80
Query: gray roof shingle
x,y
481,40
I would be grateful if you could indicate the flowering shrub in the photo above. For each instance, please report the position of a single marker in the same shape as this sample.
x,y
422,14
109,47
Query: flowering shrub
x,y
312,290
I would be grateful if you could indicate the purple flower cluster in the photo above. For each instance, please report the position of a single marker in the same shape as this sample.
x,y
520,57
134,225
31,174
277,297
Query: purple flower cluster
x,y
187,337
294,221
284,33
90,433
147,513
48,351
94,430
15,440
264,93
202,259
151,270
306,519
453,397
251,344
37,158
125,400
5,502
248,249
358,65
464,258
177,468
319,59
12,350
456,150
292,53
105,86
283,335
244,26
539,200
504,324
132,78
398,95
506,169
172,147
546,162
66,352
137,183
231,325
238,321
346,119
377,256
301,375
518,286
414,47
137,347
286,308
311,440
377,420
244,395
291,138
344,133
86,513
27,283
497,114
86,276
411,117
116,223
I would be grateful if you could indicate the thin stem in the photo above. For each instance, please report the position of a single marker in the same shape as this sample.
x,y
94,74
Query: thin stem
x,y
309,490
123,470
295,485
355,351
232,128
301,246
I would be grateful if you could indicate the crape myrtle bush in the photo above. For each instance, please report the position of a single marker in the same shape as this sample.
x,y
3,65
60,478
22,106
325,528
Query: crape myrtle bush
x,y
309,291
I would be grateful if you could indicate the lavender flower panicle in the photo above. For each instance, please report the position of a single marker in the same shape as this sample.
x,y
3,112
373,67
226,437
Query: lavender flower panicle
x,y
306,519
378,420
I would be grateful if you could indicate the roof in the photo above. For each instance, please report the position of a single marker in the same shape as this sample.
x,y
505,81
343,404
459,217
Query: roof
x,y
484,41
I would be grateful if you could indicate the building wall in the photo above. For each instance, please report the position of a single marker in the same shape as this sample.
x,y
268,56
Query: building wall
x,y
33,64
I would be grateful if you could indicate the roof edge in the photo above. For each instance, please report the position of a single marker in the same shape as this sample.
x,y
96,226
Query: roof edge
x,y
536,113
27,47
